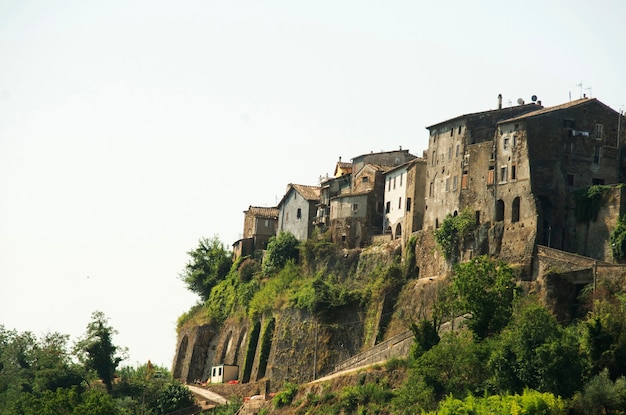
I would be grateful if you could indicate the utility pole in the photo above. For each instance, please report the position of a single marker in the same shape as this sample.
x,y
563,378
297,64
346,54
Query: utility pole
x,y
315,353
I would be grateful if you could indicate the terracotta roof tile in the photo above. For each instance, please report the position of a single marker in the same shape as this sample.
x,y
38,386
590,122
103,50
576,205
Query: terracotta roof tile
x,y
263,212
308,192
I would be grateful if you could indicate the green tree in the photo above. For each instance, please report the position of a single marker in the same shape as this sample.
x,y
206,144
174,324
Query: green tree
x,y
209,264
280,249
535,352
97,351
485,290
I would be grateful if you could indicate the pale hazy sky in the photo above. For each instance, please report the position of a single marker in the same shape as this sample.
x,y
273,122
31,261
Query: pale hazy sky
x,y
130,129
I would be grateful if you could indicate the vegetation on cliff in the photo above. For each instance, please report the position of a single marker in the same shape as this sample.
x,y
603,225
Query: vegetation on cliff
x,y
526,363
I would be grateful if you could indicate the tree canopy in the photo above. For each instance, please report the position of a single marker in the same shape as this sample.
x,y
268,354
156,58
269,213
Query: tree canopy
x,y
209,264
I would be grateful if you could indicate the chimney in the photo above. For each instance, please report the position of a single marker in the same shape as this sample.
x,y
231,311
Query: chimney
x,y
499,101
339,159
539,103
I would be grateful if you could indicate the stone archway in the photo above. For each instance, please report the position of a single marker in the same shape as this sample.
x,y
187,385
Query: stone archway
x,y
180,357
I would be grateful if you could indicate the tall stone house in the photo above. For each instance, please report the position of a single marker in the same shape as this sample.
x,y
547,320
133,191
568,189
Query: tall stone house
x,y
517,169
259,225
404,199
297,210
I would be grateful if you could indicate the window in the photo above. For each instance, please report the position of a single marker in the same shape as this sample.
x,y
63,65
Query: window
x,y
451,132
394,182
499,210
447,184
569,123
401,174
599,130
399,203
505,142
503,174
449,153
455,180
299,214
465,180
515,210
355,207
458,147
365,179
514,140
459,129
408,204
570,180
569,146
286,216
267,223
389,185
491,175
388,207
596,154
514,171
431,189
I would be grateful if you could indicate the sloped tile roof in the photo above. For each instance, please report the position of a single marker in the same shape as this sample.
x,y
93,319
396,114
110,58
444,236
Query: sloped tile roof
x,y
308,192
263,212
551,109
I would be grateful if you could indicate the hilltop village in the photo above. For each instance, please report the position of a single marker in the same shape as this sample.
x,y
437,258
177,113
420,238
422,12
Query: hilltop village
x,y
519,172
516,168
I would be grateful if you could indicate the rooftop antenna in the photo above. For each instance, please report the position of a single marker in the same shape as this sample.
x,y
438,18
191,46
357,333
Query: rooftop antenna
x,y
580,85
589,89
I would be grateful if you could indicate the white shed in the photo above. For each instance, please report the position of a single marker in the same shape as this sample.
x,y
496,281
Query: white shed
x,y
224,373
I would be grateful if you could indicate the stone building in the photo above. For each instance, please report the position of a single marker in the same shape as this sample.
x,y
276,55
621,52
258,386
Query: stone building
x,y
517,170
357,214
456,146
297,210
259,225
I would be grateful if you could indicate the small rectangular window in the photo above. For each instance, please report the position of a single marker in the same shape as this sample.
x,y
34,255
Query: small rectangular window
x,y
408,204
569,146
505,142
449,153
596,154
365,179
459,129
491,175
451,132
514,171
394,182
456,154
447,184
431,189
401,174
503,174
465,180
389,186
388,207
599,130
454,183
399,203
355,207
570,180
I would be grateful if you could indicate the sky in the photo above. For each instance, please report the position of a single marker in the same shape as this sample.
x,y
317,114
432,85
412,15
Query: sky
x,y
131,129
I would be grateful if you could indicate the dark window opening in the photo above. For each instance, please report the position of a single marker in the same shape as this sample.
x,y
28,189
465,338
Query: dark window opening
x,y
570,180
388,207
597,182
299,214
408,204
515,210
499,210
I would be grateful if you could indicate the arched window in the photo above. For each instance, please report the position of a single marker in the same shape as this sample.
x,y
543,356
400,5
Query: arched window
x,y
515,210
499,210
398,231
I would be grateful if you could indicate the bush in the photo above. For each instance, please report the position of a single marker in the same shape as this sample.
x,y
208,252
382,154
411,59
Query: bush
x,y
280,249
285,396
453,231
